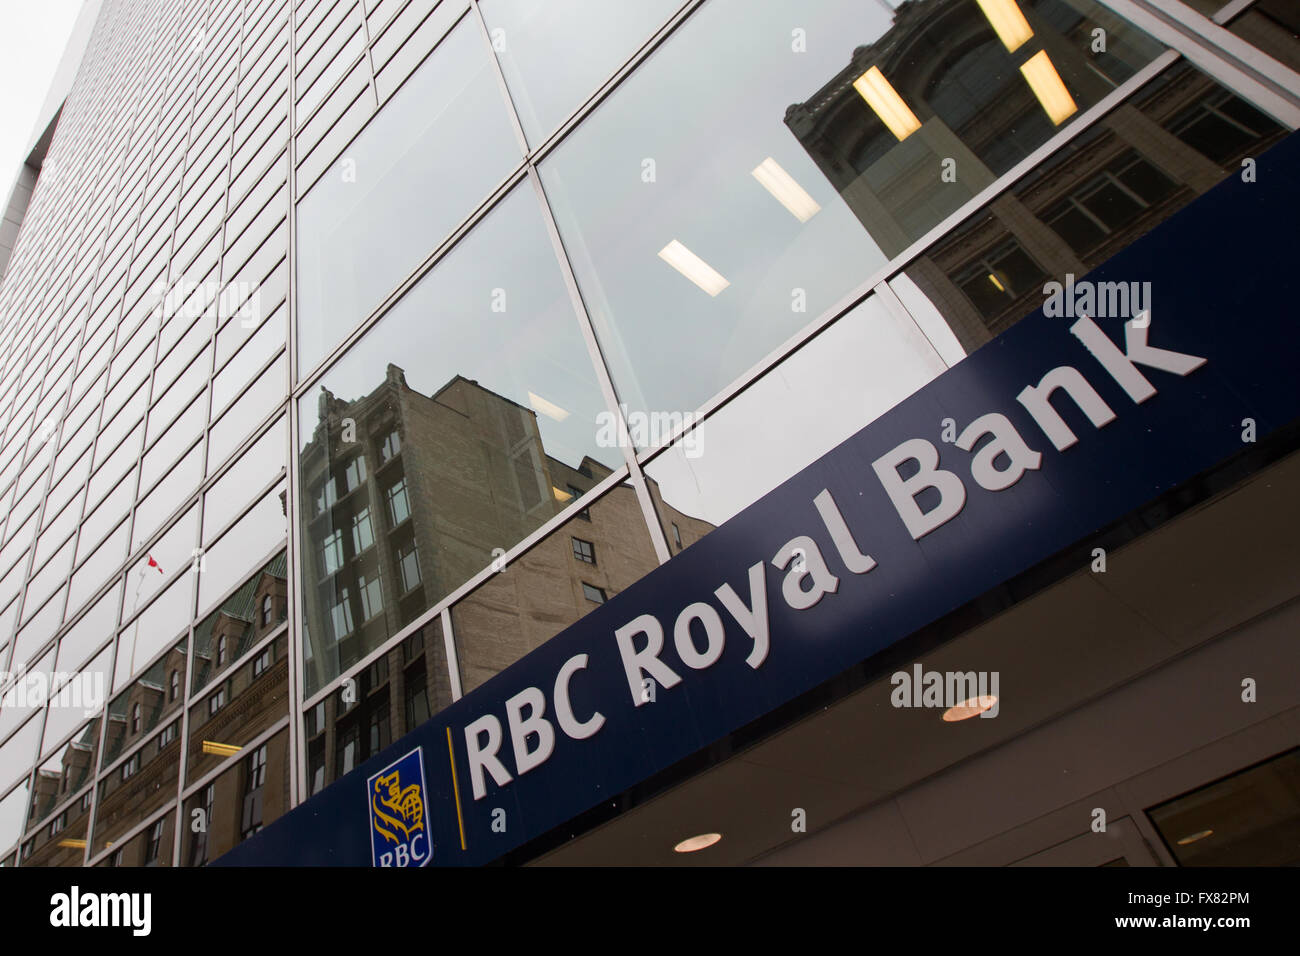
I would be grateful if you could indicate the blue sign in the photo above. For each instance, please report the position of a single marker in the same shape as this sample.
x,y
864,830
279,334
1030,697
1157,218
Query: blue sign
x,y
1072,418
399,827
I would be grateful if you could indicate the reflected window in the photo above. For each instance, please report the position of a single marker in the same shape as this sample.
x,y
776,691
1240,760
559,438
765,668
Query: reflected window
x,y
331,553
262,663
155,843
363,536
399,506
372,601
341,615
391,445
593,594
354,473
175,685
1222,126
584,551
409,563
199,840
267,610
254,780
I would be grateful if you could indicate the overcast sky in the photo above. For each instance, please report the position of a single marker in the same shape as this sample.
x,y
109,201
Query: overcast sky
x,y
32,40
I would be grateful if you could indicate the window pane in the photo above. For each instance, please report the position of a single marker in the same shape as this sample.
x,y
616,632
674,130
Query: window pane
x,y
729,192
536,40
482,371
425,161
544,591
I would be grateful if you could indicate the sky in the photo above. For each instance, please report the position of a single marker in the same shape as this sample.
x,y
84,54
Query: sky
x,y
32,42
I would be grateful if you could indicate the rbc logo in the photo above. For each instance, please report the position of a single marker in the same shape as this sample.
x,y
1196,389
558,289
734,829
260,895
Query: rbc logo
x,y
399,830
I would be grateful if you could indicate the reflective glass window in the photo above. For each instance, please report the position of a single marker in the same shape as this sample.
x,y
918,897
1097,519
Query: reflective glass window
x,y
727,193
422,164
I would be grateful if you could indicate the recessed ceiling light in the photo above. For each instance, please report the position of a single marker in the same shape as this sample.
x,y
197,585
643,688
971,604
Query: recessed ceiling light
x,y
701,842
549,409
1007,20
1048,87
971,707
887,104
785,190
693,267
1193,837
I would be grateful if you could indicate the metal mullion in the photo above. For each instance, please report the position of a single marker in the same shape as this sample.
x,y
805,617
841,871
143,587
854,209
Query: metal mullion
x,y
294,590
598,491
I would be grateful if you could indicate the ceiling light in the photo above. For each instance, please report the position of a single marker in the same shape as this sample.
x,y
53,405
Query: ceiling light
x,y
1048,87
971,707
695,843
1194,837
889,106
73,844
549,409
220,750
693,267
1007,21
785,190
994,279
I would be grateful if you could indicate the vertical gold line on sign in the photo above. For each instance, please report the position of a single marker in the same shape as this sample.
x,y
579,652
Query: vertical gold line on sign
x,y
455,786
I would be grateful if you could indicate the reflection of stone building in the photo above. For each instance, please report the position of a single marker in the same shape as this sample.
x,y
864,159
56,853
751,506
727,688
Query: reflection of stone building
x,y
407,496
975,109
411,506
1146,159
59,840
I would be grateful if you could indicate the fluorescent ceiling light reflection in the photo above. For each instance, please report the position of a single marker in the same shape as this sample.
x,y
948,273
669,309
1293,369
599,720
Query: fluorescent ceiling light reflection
x,y
1007,21
1048,87
1195,837
549,409
693,267
889,106
73,844
785,190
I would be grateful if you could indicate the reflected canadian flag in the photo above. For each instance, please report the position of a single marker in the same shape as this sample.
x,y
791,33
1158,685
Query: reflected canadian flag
x,y
155,564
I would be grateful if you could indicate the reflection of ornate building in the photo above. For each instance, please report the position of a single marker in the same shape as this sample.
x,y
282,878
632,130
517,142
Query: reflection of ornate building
x,y
410,506
407,496
1145,160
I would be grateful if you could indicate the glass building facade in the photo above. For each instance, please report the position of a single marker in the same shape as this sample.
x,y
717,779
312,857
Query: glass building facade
x,y
350,350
